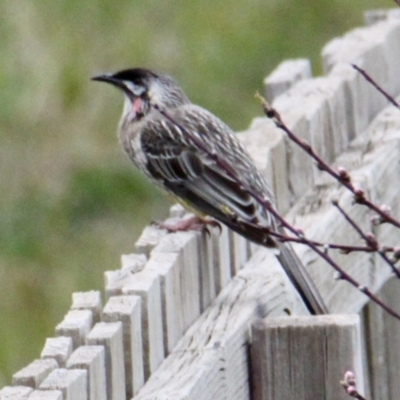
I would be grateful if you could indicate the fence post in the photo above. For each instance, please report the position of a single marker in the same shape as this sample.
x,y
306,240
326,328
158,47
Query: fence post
x,y
382,344
305,357
72,383
109,335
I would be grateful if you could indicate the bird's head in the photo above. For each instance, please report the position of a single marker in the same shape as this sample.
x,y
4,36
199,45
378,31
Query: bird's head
x,y
144,88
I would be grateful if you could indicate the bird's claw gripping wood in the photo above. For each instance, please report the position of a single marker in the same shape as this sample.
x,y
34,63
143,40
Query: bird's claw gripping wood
x,y
189,224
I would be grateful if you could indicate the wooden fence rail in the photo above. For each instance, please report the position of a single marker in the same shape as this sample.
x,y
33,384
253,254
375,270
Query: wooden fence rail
x,y
197,316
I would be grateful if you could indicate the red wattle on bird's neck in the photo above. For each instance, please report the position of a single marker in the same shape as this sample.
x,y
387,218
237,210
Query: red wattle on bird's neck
x,y
137,105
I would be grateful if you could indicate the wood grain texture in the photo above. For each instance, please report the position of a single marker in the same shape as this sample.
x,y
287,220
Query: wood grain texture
x,y
222,258
34,373
127,309
305,357
146,284
115,280
382,343
72,383
15,392
59,348
76,324
178,254
149,238
169,268
207,266
266,144
109,335
91,359
391,294
46,395
239,252
88,301
133,262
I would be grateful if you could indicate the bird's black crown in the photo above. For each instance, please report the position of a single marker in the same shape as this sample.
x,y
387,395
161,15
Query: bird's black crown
x,y
136,75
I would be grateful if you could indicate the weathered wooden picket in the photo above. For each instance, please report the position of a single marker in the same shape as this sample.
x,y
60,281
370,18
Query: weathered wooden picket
x,y
197,316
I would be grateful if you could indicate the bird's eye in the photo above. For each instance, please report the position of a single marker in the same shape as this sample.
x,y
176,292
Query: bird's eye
x,y
137,90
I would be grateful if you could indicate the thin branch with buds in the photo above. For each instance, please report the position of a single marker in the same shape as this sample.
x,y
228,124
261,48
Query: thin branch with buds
x,y
341,175
346,249
376,86
369,239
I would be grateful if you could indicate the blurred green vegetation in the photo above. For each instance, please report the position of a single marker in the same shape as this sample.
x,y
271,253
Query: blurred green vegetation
x,y
70,202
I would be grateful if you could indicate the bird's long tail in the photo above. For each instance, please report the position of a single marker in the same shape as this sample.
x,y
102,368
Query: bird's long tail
x,y
290,262
301,280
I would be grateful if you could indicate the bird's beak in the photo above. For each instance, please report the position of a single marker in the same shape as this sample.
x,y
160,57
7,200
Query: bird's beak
x,y
108,79
113,81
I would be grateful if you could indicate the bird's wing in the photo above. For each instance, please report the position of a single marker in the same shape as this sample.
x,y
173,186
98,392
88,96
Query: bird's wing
x,y
191,174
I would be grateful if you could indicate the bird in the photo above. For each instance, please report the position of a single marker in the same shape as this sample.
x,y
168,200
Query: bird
x,y
191,154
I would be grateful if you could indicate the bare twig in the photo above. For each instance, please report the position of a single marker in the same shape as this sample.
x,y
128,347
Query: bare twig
x,y
341,175
375,85
344,248
369,239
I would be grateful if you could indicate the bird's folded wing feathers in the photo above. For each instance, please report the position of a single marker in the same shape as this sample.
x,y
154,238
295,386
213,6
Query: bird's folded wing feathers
x,y
193,175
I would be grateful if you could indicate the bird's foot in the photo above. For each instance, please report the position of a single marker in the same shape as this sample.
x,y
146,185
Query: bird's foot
x,y
192,223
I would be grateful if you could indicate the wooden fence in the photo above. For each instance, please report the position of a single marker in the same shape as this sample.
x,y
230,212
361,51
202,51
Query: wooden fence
x,y
197,316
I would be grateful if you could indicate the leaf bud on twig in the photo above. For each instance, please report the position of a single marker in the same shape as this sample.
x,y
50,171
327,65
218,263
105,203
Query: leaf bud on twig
x,y
343,174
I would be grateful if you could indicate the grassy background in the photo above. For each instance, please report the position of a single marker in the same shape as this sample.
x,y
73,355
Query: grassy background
x,y
70,202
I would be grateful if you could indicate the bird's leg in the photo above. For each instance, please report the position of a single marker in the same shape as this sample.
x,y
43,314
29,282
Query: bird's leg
x,y
192,223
